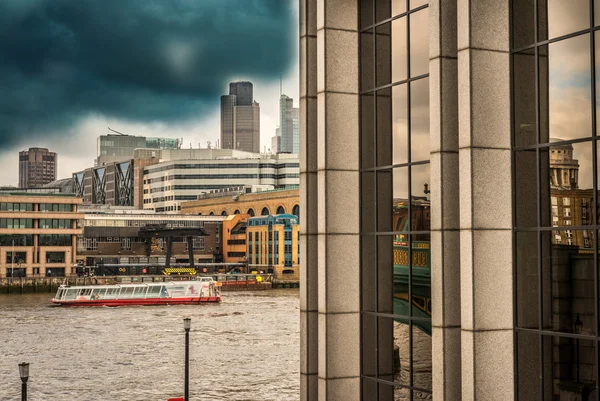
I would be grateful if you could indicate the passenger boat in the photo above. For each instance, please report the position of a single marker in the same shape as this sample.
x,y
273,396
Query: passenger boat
x,y
202,290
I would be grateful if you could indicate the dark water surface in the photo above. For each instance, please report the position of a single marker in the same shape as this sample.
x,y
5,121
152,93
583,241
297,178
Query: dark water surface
x,y
246,348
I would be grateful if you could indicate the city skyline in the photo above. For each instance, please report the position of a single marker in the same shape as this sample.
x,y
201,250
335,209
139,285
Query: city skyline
x,y
177,98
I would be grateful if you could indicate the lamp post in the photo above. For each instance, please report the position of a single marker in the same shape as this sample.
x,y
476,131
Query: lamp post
x,y
187,324
24,373
577,325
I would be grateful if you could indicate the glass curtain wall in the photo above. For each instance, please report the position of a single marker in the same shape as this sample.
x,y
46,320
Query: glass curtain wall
x,y
395,207
555,174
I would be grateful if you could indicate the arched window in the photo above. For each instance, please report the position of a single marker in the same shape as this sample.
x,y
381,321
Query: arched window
x,y
280,210
224,213
236,211
265,211
250,212
211,214
296,210
200,214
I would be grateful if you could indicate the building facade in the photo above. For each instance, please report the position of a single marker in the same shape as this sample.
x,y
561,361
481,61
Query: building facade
x,y
455,109
234,238
240,118
37,166
262,203
273,245
169,183
38,234
111,236
111,184
289,126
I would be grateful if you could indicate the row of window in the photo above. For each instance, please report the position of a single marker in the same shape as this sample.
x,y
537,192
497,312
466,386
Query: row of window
x,y
258,165
55,223
222,177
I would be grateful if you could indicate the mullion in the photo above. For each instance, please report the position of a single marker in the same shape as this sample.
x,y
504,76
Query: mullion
x,y
558,39
396,83
544,145
387,167
395,17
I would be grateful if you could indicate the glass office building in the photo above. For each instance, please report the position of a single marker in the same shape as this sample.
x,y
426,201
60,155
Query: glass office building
x,y
449,189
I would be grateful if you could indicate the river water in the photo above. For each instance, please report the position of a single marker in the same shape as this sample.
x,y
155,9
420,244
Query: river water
x,y
245,348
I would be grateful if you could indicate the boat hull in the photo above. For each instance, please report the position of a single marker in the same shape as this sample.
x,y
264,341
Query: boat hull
x,y
141,301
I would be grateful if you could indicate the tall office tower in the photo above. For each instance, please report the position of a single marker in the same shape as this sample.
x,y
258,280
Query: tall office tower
x,y
37,166
289,118
240,118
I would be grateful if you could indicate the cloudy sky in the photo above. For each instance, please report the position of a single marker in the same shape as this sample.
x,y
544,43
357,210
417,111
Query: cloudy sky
x,y
70,69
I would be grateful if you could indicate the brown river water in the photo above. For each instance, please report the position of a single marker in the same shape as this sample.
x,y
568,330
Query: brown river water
x,y
245,348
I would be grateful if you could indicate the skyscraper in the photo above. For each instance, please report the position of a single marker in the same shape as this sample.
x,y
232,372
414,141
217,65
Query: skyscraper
x,y
289,117
240,118
37,166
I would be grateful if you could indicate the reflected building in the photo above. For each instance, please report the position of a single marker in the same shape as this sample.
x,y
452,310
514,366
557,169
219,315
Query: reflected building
x,y
487,287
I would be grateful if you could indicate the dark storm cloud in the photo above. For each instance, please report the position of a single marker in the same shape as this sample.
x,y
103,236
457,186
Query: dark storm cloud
x,y
139,60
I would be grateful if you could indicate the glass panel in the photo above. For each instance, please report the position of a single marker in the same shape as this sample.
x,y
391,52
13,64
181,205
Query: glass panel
x,y
419,120
369,390
420,214
597,68
367,133
419,43
367,55
398,7
528,355
571,185
567,282
369,273
525,187
383,10
526,258
384,127
385,275
569,92
399,50
400,124
385,203
394,350
366,13
400,199
367,191
523,25
385,45
524,98
421,280
369,345
421,366
570,369
559,17
417,3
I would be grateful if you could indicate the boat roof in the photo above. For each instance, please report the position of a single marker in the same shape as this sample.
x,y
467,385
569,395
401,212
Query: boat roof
x,y
142,284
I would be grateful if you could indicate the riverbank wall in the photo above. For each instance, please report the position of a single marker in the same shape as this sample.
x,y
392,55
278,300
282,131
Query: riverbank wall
x,y
26,285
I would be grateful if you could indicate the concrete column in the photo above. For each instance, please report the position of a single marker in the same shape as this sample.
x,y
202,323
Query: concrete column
x,y
338,200
445,211
485,200
309,253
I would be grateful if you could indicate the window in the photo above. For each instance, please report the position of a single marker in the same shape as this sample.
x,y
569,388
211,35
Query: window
x,y
395,202
555,262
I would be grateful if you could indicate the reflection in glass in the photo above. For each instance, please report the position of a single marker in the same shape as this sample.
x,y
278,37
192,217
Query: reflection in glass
x,y
367,130
398,7
528,355
569,92
394,351
369,389
421,281
386,204
559,17
571,185
400,199
399,51
369,345
567,281
367,72
526,181
419,43
383,10
400,124
384,47
421,366
523,23
369,273
385,274
366,13
524,98
384,127
597,69
367,201
420,179
419,120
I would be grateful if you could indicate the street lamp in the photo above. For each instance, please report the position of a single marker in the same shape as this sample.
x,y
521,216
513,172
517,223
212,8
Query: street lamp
x,y
187,324
24,373
577,326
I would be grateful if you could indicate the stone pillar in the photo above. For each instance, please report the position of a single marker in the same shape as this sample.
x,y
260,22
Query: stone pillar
x,y
485,200
338,200
445,211
309,255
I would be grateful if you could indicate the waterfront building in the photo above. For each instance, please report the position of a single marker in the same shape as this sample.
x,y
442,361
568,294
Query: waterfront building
x,y
120,147
241,200
463,104
168,183
234,238
289,127
240,118
38,234
111,236
273,245
37,166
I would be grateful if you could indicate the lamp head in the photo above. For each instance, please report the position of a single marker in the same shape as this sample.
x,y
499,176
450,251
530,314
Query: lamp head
x,y
24,371
187,323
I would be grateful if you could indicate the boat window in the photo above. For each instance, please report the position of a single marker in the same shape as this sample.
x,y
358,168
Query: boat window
x,y
71,293
154,290
140,292
127,292
112,292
